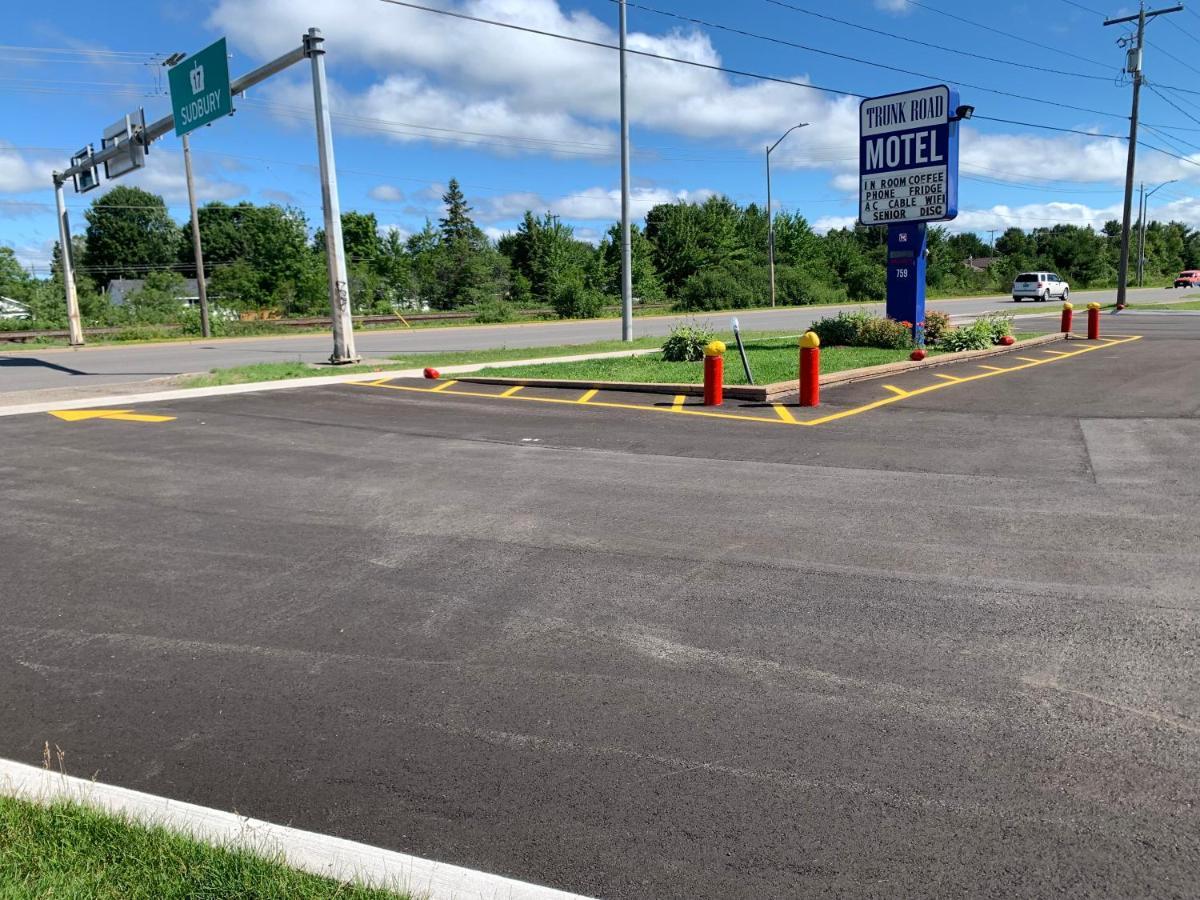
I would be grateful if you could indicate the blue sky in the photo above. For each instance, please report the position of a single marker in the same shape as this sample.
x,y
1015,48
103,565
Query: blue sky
x,y
525,121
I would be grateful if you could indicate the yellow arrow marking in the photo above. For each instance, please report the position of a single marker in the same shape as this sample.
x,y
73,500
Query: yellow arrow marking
x,y
123,415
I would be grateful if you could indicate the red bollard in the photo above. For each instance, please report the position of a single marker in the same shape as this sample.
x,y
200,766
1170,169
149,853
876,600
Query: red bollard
x,y
1093,321
1067,315
714,373
810,369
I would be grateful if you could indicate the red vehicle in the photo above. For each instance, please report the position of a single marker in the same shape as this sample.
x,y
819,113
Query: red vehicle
x,y
1188,278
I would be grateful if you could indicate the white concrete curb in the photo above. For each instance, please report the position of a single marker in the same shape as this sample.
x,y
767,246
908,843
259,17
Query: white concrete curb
x,y
22,409
305,850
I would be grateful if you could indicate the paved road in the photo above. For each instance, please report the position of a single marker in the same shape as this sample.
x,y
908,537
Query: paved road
x,y
35,369
945,646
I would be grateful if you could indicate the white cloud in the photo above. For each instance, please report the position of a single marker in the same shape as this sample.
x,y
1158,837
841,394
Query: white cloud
x,y
832,223
894,6
539,89
20,174
388,193
596,204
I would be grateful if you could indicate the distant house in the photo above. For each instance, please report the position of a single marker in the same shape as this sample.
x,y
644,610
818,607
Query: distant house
x,y
14,309
979,263
119,290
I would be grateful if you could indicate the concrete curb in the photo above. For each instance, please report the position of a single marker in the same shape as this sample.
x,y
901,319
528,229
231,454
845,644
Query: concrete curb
x,y
766,393
305,850
143,396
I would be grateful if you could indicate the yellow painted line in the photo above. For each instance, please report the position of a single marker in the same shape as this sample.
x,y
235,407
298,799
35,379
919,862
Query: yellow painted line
x,y
947,377
994,368
886,401
1027,359
122,415
512,390
899,392
785,414
443,386
777,419
1057,352
589,395
595,403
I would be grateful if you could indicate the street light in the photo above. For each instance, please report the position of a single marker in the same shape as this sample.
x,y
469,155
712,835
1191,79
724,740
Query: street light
x,y
770,213
1142,209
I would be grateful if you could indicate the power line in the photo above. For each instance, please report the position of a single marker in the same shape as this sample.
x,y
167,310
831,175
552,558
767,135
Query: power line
x,y
79,51
1022,38
939,47
1184,63
731,71
859,60
1171,102
1088,9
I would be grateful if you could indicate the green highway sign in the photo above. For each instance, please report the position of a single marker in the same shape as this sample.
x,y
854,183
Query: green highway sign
x,y
200,88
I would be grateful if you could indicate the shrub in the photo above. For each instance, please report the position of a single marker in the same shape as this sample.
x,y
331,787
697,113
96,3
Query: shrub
x,y
493,309
715,289
888,334
996,325
797,287
686,343
977,336
573,299
937,323
840,330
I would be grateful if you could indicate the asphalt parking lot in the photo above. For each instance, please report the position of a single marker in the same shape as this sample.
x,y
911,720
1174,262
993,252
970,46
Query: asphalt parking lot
x,y
943,643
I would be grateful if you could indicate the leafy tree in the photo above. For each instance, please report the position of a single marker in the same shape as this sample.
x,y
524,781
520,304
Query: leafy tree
x,y
129,232
647,285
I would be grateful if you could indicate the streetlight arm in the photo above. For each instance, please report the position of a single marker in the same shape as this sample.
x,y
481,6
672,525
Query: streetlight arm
x,y
785,134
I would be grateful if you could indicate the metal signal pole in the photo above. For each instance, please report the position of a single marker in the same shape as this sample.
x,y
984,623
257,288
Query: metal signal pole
x,y
68,264
626,237
1134,67
201,288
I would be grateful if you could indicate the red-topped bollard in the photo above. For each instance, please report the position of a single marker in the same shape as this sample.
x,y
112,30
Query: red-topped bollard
x,y
1093,321
810,369
1067,315
714,373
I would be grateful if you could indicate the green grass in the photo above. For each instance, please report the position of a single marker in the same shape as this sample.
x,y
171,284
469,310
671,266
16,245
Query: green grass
x,y
272,371
1188,304
71,851
771,360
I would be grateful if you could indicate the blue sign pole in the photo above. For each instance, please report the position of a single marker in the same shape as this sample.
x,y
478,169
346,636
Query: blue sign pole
x,y
906,276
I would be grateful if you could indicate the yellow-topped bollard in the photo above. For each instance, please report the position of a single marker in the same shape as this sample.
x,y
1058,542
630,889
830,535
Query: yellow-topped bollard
x,y
714,373
810,369
1093,321
1065,325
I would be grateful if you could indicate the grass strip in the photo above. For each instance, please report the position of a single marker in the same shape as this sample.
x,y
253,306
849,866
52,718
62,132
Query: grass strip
x,y
771,360
1166,307
67,850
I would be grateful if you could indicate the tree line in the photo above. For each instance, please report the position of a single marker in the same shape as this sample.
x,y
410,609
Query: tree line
x,y
266,259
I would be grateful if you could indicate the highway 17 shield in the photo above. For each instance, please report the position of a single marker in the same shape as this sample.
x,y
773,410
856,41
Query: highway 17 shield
x,y
200,88
908,157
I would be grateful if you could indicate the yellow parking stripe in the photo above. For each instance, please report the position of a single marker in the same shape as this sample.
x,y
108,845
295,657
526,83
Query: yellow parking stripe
x,y
994,368
785,414
782,416
589,395
1027,358
512,390
899,392
443,386
947,377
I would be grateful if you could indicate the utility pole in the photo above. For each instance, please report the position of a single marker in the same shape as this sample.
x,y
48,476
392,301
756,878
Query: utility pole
x,y
771,211
201,288
1133,66
626,237
68,265
992,241
339,282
